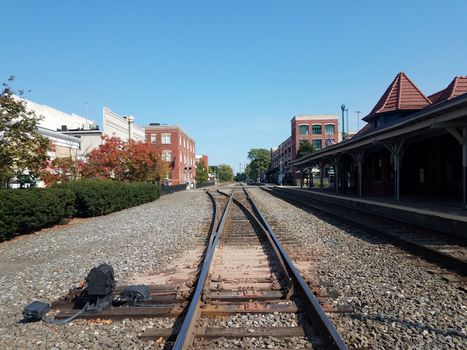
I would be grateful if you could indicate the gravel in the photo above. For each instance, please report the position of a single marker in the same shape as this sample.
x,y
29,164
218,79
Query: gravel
x,y
134,241
396,303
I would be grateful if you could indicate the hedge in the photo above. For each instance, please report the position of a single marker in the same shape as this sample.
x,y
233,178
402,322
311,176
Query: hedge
x,y
27,210
23,211
99,197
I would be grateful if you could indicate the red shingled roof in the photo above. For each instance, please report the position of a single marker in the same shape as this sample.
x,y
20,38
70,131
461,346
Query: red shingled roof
x,y
457,87
402,94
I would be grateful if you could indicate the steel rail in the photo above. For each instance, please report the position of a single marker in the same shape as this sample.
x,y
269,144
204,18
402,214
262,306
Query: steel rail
x,y
331,337
281,264
187,330
438,257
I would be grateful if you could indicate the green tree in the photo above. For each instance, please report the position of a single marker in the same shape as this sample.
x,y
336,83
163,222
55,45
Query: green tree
x,y
23,151
240,177
260,160
224,172
201,172
305,148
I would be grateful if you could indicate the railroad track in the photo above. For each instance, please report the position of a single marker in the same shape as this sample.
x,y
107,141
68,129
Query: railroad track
x,y
449,252
243,270
246,270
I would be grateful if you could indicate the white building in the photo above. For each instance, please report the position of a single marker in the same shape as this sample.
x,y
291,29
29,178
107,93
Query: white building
x,y
54,119
121,126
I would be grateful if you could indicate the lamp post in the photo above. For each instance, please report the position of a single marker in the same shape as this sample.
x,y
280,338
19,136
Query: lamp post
x,y
343,125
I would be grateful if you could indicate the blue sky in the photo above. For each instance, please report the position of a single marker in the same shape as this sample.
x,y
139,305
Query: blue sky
x,y
231,73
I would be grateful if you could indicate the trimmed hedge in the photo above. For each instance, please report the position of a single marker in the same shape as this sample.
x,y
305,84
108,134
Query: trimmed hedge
x,y
99,197
28,210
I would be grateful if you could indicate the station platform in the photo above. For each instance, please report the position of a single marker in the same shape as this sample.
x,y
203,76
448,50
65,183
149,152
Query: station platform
x,y
443,217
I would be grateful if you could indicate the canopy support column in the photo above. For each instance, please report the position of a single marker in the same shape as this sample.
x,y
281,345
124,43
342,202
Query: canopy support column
x,y
464,167
336,173
397,150
359,157
321,171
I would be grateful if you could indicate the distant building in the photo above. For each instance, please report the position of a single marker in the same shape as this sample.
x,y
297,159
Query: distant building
x,y
321,130
72,135
177,148
120,126
204,158
54,119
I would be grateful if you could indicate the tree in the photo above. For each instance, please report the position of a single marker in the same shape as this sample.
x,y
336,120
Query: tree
x,y
62,170
125,161
201,171
23,150
305,148
260,160
240,177
224,172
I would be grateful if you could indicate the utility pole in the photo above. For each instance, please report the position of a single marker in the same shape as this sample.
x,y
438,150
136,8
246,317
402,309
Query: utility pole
x,y
358,120
343,124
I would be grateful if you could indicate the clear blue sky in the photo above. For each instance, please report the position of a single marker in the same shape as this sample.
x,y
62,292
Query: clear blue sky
x,y
231,73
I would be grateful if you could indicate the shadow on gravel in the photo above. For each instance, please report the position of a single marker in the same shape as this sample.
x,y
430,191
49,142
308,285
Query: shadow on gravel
x,y
406,324
347,228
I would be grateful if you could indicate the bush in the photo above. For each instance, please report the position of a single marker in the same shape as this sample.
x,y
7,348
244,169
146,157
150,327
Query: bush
x,y
23,211
99,197
28,210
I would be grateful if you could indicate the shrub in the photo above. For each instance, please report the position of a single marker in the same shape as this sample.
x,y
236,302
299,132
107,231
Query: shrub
x,y
23,211
99,197
27,210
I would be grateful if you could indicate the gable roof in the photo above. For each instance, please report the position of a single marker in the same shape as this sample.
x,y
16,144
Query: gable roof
x,y
457,87
402,94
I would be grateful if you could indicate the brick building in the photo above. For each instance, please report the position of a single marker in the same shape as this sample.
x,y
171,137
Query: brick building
x,y
177,148
321,130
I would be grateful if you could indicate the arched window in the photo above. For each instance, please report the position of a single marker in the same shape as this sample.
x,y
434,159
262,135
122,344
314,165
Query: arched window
x,y
330,129
316,129
303,129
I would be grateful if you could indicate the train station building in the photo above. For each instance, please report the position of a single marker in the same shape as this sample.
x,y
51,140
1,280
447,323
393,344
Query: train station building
x,y
413,147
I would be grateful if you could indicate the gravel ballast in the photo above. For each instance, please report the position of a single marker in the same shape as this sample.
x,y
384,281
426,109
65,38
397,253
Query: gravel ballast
x,y
134,241
397,304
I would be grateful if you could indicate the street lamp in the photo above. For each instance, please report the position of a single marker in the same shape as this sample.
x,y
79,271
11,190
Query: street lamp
x,y
343,121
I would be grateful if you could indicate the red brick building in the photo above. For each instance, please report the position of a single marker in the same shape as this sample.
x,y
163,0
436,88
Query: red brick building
x,y
321,130
177,148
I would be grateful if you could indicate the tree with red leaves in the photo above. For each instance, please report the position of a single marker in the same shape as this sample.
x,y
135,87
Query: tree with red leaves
x,y
124,161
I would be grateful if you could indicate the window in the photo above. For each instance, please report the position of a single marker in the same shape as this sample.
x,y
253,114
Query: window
x,y
167,156
316,129
303,129
181,159
153,138
329,129
180,139
166,139
329,142
317,144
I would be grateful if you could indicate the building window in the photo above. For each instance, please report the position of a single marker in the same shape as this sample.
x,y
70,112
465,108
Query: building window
x,y
329,142
330,129
166,139
180,139
167,156
153,138
317,144
303,129
316,129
